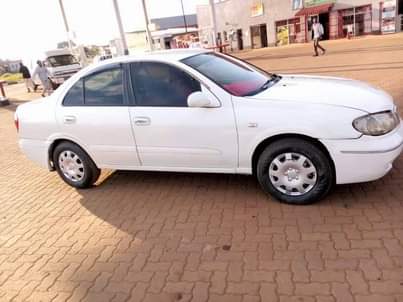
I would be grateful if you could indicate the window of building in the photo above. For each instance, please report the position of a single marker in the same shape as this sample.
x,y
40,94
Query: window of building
x,y
297,4
104,88
75,96
162,85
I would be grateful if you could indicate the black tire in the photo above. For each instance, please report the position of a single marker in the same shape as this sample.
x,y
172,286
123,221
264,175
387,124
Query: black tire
x,y
320,160
89,169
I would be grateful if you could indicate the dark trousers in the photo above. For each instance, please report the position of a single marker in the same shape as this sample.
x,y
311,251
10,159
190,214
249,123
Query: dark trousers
x,y
316,45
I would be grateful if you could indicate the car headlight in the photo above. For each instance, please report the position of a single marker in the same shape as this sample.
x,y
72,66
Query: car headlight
x,y
376,124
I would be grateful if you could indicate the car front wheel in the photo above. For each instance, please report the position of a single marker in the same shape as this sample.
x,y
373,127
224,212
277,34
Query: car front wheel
x,y
295,171
74,166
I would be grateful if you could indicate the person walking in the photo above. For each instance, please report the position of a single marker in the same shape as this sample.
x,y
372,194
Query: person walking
x,y
43,75
317,32
26,75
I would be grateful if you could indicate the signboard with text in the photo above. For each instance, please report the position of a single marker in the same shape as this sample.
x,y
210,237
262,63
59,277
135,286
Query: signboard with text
x,y
308,3
256,9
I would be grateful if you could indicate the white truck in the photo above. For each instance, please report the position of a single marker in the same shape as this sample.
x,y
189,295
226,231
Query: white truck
x,y
61,65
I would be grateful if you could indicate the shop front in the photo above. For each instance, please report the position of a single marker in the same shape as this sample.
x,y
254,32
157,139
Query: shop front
x,y
290,31
336,23
356,19
319,10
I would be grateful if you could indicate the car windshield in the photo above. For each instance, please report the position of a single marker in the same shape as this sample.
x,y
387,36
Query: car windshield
x,y
235,76
62,60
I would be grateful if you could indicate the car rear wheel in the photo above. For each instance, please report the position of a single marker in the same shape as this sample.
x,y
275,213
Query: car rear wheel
x,y
295,171
74,166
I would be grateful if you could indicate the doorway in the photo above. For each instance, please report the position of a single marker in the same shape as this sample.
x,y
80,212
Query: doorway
x,y
239,39
263,35
324,20
259,36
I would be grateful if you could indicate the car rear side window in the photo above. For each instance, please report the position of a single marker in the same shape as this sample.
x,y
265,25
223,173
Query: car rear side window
x,y
162,85
104,88
75,96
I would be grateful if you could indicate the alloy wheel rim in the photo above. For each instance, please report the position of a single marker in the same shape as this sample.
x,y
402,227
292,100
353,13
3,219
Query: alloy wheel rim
x,y
71,166
293,174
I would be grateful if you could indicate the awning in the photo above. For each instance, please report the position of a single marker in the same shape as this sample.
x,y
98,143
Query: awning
x,y
314,10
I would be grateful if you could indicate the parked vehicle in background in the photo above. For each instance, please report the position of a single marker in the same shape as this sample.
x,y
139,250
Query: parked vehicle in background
x,y
61,65
199,111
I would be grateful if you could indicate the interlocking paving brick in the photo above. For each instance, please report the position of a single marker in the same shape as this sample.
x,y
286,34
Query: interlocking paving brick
x,y
139,236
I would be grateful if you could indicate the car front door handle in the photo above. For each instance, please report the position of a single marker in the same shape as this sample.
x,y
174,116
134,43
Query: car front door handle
x,y
69,119
142,121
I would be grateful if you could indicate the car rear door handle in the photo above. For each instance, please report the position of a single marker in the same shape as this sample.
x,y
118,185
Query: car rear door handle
x,y
142,121
69,119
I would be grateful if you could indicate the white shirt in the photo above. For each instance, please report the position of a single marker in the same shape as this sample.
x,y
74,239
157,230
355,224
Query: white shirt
x,y
317,30
41,72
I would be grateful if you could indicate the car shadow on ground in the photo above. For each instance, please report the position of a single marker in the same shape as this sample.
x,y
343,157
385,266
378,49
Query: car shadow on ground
x,y
168,218
124,199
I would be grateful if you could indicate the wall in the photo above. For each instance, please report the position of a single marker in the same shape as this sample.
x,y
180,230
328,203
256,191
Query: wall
x,y
136,41
236,14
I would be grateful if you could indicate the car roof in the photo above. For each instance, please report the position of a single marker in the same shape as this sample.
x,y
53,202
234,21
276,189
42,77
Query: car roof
x,y
163,55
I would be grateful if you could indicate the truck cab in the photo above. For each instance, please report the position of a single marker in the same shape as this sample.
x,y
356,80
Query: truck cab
x,y
61,65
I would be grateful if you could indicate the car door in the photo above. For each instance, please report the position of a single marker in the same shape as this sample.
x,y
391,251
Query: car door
x,y
94,114
172,136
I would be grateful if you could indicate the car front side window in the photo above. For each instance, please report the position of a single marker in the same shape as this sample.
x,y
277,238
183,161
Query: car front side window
x,y
161,85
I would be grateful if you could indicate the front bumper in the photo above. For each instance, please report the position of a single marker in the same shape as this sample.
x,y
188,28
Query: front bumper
x,y
59,80
365,159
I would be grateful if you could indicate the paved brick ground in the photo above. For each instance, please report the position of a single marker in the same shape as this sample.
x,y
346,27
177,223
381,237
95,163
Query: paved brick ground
x,y
179,237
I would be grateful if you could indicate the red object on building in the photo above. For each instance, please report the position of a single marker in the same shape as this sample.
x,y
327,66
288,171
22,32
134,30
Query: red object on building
x,y
315,10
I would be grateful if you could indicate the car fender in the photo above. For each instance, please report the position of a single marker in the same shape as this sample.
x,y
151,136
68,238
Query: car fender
x,y
63,136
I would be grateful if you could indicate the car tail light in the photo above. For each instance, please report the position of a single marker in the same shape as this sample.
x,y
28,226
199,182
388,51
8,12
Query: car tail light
x,y
16,123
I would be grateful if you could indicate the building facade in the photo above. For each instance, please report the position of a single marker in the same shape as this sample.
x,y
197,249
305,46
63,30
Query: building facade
x,y
261,23
11,66
166,33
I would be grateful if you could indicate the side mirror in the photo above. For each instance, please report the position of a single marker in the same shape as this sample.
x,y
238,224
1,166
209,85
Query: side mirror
x,y
199,100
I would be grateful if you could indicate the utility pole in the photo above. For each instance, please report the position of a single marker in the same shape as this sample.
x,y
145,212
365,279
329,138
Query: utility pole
x,y
148,33
66,25
120,25
214,21
184,17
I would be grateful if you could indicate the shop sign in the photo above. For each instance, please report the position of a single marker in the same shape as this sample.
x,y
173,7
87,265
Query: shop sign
x,y
389,16
308,3
257,9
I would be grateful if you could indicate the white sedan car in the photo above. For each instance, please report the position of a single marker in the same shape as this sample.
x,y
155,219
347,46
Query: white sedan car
x,y
199,111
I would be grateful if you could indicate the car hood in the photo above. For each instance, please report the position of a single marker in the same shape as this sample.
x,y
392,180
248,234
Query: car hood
x,y
329,91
